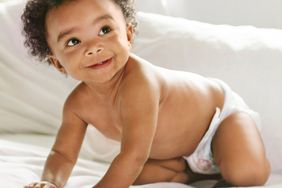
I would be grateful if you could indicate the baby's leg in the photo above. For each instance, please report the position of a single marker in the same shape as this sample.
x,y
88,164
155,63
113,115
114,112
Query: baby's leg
x,y
172,170
239,152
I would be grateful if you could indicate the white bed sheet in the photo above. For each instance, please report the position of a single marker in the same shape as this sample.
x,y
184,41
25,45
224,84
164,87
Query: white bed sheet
x,y
22,157
22,163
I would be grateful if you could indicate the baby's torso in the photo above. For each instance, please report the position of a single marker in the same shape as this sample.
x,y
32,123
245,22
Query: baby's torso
x,y
186,107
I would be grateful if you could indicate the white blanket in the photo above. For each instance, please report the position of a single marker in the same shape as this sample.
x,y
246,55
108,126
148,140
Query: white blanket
x,y
21,164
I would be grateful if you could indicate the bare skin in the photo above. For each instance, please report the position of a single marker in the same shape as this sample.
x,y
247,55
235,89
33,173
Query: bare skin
x,y
158,115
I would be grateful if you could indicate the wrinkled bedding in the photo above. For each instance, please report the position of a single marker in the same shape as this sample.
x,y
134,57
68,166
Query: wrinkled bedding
x,y
21,162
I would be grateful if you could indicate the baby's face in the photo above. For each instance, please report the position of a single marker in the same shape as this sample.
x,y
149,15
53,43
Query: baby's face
x,y
89,39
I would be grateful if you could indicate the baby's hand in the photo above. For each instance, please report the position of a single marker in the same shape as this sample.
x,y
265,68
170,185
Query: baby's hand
x,y
41,184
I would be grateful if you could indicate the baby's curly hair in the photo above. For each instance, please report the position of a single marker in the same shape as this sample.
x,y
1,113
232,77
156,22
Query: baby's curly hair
x,y
34,28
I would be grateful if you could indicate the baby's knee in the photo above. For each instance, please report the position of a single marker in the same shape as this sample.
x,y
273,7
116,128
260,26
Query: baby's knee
x,y
247,174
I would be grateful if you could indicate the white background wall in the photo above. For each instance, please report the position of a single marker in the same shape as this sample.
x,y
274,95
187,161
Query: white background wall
x,y
260,13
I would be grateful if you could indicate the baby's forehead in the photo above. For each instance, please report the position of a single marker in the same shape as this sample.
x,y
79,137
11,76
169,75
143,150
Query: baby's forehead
x,y
73,7
80,13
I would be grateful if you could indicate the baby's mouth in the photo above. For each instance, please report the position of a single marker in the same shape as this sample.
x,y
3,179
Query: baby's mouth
x,y
101,64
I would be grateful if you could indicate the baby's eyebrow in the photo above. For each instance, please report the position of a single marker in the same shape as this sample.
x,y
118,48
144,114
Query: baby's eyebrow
x,y
62,34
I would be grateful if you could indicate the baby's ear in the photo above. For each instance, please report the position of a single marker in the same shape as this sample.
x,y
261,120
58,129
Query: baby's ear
x,y
130,33
56,63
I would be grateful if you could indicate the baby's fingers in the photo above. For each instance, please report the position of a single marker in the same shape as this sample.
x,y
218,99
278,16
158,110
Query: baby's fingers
x,y
42,184
31,185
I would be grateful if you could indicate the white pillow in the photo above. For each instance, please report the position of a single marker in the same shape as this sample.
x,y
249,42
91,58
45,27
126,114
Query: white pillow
x,y
31,93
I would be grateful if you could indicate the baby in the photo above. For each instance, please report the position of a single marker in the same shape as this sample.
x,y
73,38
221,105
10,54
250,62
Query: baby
x,y
173,126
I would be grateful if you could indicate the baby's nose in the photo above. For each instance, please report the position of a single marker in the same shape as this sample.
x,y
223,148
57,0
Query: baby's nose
x,y
93,50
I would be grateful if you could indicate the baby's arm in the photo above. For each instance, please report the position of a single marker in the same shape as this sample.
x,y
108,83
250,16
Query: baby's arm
x,y
138,107
65,150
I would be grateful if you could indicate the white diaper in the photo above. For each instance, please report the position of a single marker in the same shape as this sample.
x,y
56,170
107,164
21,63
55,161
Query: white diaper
x,y
201,160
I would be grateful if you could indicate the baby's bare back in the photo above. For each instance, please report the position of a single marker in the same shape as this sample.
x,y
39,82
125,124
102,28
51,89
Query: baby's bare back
x,y
186,106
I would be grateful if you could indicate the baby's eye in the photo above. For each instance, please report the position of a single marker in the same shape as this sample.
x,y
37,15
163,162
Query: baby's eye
x,y
104,30
72,42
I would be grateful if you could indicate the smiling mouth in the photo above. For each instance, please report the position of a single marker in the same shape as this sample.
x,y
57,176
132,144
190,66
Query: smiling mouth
x,y
101,64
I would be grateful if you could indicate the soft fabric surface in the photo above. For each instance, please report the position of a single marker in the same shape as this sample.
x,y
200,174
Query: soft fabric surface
x,y
22,163
32,94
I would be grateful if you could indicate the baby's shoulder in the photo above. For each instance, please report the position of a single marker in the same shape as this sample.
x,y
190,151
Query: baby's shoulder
x,y
139,72
77,96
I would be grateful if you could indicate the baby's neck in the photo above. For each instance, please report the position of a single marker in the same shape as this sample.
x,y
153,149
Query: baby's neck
x,y
108,90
